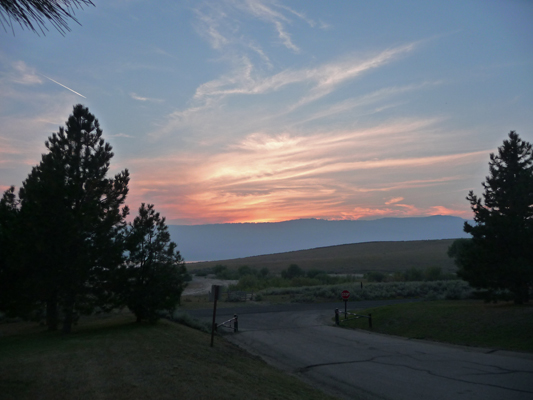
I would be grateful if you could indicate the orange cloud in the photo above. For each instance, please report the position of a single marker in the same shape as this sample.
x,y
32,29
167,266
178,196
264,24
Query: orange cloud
x,y
394,200
333,175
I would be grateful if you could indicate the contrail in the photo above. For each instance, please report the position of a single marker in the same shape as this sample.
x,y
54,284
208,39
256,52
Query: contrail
x,y
60,84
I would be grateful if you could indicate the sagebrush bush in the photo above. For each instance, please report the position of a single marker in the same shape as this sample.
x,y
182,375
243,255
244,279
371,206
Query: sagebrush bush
x,y
383,290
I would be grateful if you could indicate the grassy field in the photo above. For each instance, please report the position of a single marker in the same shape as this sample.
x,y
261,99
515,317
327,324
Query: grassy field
x,y
352,258
115,358
468,322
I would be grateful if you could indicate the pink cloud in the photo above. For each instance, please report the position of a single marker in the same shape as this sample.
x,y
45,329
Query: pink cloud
x,y
333,175
394,200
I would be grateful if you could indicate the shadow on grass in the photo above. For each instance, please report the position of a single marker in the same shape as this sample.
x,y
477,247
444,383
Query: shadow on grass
x,y
32,337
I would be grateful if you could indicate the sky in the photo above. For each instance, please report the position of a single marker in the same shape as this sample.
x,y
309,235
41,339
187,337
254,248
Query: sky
x,y
265,111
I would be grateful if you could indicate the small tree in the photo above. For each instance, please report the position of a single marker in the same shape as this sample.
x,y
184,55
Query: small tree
x,y
500,253
313,272
264,272
433,274
414,274
71,218
294,271
244,270
154,272
375,276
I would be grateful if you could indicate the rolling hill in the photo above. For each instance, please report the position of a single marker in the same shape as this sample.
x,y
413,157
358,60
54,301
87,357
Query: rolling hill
x,y
229,241
352,258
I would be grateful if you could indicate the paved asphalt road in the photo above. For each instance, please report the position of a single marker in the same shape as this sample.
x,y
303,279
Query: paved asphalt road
x,y
350,364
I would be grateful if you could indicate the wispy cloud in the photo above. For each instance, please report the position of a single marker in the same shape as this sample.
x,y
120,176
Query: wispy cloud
x,y
323,79
217,22
24,75
135,96
387,186
394,200
296,88
210,27
273,12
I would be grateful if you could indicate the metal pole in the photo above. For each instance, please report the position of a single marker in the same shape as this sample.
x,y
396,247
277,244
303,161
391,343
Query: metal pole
x,y
213,325
337,322
345,309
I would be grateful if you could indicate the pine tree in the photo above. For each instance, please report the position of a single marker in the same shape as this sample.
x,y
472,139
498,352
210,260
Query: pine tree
x,y
34,13
72,216
500,253
12,299
154,272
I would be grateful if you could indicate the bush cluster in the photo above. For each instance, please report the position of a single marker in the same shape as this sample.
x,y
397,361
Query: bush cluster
x,y
410,275
436,290
293,276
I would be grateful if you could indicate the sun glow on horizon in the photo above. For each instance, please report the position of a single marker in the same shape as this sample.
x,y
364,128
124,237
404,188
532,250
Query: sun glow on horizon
x,y
268,110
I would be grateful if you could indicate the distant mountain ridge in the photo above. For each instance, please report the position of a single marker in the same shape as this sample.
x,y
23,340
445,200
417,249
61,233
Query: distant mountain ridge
x,y
228,241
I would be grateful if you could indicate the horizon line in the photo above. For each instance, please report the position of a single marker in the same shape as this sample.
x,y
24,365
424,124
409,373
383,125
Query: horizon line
x,y
316,219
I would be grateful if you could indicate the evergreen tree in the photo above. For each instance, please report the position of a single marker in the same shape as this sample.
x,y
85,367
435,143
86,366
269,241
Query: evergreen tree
x,y
34,13
72,216
13,301
154,271
8,214
500,253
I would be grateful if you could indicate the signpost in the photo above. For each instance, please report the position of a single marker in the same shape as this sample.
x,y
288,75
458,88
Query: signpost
x,y
345,296
215,291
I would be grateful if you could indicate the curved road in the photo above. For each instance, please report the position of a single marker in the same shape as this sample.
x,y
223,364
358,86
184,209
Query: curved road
x,y
353,364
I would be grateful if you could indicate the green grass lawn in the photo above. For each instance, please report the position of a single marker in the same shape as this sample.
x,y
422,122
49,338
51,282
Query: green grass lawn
x,y
468,322
115,358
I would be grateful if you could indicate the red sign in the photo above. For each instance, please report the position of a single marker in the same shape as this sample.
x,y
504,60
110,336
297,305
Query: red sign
x,y
345,295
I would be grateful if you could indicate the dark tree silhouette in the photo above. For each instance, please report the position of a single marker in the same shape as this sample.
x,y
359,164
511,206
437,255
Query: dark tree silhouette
x,y
72,216
500,253
154,273
33,14
12,293
294,271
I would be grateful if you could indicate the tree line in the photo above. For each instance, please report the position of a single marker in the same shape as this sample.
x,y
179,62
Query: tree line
x,y
65,245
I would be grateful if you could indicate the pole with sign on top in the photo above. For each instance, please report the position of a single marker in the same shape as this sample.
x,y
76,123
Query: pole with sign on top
x,y
345,296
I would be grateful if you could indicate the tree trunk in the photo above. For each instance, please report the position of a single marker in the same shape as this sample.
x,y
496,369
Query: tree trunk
x,y
518,295
69,314
526,292
51,313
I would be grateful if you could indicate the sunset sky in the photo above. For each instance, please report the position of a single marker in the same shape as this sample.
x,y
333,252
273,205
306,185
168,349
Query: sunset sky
x,y
263,111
